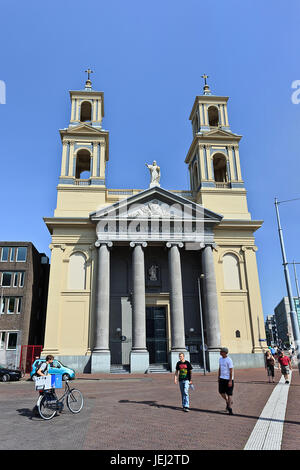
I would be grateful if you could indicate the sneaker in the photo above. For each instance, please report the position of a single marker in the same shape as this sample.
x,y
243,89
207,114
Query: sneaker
x,y
186,409
230,411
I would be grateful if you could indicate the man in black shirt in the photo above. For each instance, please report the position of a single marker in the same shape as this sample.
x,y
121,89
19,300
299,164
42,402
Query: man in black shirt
x,y
184,373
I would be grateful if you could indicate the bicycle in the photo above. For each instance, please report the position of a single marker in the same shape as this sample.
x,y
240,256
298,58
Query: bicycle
x,y
49,404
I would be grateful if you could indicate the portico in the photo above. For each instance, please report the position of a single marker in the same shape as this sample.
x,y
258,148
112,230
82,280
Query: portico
x,y
155,218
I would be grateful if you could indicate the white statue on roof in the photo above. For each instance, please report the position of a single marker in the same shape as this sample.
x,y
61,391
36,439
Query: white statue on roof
x,y
154,173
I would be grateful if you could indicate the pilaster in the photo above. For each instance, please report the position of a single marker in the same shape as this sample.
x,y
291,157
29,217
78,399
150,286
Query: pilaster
x,y
254,298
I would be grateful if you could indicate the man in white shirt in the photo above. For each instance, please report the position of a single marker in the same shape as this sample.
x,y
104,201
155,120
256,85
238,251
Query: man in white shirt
x,y
225,378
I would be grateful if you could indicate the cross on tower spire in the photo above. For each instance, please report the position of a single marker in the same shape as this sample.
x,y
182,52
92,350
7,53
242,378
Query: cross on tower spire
x,y
88,83
205,77
206,89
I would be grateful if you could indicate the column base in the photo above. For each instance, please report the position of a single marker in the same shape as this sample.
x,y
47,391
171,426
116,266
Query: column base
x,y
259,349
52,351
100,362
139,362
174,358
212,358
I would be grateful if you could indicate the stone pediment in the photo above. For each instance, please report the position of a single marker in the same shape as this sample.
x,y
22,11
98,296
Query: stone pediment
x,y
153,208
220,133
83,129
155,214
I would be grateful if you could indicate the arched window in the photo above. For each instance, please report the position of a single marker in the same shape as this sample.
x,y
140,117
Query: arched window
x,y
237,334
213,116
220,170
231,272
195,177
86,111
77,271
83,165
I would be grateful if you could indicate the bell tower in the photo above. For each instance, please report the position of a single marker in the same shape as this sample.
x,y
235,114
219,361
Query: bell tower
x,y
85,152
213,158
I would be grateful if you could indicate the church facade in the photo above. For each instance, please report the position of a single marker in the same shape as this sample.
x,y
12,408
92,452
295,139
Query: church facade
x,y
138,276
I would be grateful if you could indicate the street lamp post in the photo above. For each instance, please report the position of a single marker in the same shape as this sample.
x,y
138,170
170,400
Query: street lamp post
x,y
202,330
296,280
293,315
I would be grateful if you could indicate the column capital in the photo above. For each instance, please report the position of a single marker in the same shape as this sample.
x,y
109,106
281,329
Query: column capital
x,y
98,243
251,247
143,244
178,244
213,245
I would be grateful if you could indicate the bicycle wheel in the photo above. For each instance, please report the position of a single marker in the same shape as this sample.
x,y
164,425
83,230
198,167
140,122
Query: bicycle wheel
x,y
46,409
75,400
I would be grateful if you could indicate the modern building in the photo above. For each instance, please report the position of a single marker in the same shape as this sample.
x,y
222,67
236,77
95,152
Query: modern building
x,y
271,331
283,320
139,275
24,276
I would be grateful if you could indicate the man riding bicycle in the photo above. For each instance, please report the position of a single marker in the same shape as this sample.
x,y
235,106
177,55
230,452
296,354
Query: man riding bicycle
x,y
43,371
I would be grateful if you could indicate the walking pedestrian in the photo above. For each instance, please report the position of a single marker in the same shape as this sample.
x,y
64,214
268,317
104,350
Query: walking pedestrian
x,y
225,379
270,363
183,374
285,366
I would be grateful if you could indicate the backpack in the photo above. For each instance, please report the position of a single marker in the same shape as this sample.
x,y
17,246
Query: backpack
x,y
38,365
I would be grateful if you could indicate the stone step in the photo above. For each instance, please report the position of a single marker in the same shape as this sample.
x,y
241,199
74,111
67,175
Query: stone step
x,y
197,368
158,368
119,369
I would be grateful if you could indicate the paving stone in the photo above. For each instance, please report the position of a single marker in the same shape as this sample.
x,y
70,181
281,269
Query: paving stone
x,y
144,412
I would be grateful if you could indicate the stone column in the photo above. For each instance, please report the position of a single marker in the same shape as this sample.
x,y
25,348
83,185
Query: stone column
x,y
213,336
139,356
176,304
101,352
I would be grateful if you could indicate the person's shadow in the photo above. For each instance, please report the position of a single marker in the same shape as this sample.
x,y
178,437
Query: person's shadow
x,y
152,403
28,413
215,412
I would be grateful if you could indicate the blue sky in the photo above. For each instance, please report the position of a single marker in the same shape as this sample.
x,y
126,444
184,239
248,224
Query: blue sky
x,y
148,58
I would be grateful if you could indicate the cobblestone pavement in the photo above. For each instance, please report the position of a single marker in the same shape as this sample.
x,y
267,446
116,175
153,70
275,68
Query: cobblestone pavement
x,y
143,412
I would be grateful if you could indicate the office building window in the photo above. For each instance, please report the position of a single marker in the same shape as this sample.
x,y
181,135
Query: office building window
x,y
21,253
2,339
12,254
12,278
11,305
22,275
6,279
12,340
4,253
